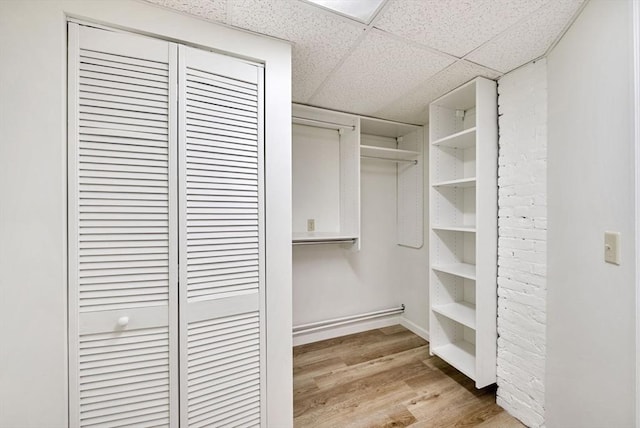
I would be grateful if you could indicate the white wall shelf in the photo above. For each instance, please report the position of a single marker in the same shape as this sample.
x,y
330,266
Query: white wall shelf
x,y
460,182
319,236
463,270
463,237
468,229
462,312
388,153
461,355
459,140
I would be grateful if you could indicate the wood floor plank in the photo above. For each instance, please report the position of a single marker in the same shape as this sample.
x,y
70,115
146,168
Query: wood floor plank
x,y
392,329
370,368
355,407
501,420
358,387
386,378
392,344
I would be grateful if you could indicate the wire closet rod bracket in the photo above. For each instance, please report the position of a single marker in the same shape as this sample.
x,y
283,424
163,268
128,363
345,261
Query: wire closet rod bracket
x,y
412,161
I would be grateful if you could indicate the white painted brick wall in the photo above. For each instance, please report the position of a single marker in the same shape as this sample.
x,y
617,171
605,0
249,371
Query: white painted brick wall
x,y
522,242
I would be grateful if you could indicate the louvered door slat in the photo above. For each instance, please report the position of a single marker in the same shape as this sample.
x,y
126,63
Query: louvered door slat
x,y
121,100
209,116
209,111
243,80
122,69
123,262
222,239
125,61
228,86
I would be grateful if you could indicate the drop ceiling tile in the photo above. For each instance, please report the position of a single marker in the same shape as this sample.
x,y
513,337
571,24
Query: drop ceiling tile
x,y
213,10
413,106
378,69
320,38
528,39
453,26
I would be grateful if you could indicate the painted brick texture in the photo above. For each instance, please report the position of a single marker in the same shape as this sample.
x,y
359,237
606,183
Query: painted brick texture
x,y
522,242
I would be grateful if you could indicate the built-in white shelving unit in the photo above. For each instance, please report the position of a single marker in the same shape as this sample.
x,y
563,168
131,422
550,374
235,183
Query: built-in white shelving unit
x,y
383,140
463,223
328,148
326,177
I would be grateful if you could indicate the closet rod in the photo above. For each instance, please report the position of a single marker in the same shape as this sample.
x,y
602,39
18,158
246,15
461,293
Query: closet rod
x,y
321,123
325,241
413,161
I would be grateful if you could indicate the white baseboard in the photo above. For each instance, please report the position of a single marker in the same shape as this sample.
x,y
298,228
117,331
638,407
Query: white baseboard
x,y
343,330
359,327
414,328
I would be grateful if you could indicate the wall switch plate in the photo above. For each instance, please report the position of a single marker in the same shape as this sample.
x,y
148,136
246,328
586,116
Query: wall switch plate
x,y
612,247
311,225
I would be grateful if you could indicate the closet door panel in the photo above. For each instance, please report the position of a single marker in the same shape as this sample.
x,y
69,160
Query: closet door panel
x,y
122,263
221,242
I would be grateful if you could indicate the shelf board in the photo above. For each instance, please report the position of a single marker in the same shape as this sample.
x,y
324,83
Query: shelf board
x,y
452,228
385,128
460,182
459,140
387,153
463,270
321,236
462,312
461,98
461,355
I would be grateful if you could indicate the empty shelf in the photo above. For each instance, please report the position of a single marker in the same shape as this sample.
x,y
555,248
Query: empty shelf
x,y
460,140
319,237
461,355
462,312
461,182
464,270
453,228
386,153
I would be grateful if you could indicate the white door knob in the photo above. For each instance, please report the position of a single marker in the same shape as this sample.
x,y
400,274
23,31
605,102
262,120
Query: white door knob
x,y
123,321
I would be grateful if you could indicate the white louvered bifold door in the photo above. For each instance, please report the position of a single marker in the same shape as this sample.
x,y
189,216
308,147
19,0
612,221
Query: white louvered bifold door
x,y
221,241
122,230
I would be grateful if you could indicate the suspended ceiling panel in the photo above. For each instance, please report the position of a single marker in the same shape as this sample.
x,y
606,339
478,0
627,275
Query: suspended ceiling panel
x,y
454,27
411,108
412,52
379,69
531,39
321,39
212,10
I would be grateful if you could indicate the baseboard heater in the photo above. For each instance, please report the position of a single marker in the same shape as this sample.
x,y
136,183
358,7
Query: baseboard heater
x,y
336,322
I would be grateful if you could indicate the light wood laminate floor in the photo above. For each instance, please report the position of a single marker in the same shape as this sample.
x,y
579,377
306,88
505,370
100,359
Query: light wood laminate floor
x,y
386,378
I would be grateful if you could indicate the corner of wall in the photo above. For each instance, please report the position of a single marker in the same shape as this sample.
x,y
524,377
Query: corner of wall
x,y
522,242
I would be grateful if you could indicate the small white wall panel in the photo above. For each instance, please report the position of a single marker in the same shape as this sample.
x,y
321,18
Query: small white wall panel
x,y
350,182
221,242
316,187
410,199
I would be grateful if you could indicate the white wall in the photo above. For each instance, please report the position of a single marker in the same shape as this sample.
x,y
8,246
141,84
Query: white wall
x,y
522,246
331,281
590,375
33,281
